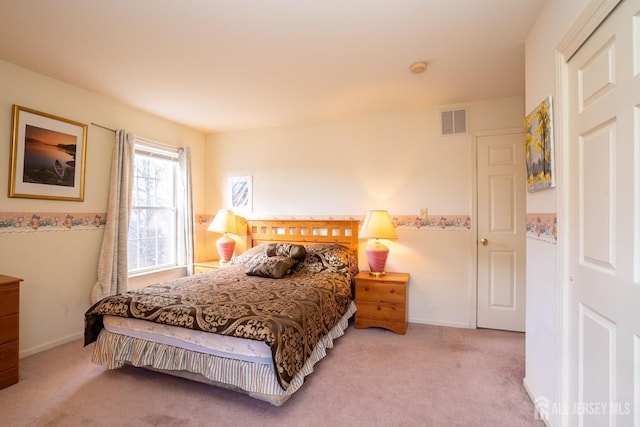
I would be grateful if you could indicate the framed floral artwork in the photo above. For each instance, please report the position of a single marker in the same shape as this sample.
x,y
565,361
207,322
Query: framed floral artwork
x,y
47,156
539,150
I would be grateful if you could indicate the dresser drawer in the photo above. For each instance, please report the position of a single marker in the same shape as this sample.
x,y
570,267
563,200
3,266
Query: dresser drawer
x,y
8,377
381,311
8,355
381,291
8,328
9,299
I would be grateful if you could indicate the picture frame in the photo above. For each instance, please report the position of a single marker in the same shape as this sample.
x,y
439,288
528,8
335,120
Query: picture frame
x,y
48,155
539,147
241,193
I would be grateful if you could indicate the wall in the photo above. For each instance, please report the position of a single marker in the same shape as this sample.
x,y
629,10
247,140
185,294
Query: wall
x,y
543,290
395,161
59,267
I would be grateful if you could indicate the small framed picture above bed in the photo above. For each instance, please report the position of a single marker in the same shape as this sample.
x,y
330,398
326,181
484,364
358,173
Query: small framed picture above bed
x,y
241,193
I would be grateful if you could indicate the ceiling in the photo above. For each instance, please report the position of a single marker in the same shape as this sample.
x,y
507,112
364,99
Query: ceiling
x,y
220,65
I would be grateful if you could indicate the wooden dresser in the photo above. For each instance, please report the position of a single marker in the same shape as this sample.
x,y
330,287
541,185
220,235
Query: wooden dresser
x,y
382,301
9,315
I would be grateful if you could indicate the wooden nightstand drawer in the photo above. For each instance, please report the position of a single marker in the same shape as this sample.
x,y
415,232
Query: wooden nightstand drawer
x,y
381,311
381,291
206,266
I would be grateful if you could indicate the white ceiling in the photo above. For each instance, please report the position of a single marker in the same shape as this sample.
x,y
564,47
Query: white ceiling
x,y
220,65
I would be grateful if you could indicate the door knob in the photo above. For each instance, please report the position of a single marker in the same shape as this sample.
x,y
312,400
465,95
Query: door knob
x,y
484,242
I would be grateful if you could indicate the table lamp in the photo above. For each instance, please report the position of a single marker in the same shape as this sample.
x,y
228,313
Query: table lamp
x,y
225,222
377,225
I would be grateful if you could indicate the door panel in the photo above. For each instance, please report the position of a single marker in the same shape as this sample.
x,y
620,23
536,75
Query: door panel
x,y
502,199
502,274
597,203
596,363
501,231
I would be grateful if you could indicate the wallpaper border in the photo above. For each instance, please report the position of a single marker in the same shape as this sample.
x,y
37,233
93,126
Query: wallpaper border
x,y
21,222
17,222
403,222
543,227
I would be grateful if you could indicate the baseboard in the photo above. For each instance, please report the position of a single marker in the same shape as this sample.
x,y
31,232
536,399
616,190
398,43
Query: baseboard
x,y
533,398
50,344
441,323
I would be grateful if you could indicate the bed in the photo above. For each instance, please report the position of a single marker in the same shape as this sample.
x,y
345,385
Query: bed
x,y
257,326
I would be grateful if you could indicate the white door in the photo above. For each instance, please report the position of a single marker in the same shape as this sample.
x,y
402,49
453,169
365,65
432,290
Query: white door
x,y
501,231
603,224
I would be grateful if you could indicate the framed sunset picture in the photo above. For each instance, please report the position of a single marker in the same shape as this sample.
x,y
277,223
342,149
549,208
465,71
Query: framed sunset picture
x,y
47,156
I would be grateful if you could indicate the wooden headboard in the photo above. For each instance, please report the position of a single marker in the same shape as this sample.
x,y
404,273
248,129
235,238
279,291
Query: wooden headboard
x,y
343,232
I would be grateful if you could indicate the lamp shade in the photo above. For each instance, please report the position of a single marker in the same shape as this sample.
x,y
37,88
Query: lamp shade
x,y
225,222
377,225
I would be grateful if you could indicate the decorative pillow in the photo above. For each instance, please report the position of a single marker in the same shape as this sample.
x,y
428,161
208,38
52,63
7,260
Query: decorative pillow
x,y
275,267
257,252
286,249
329,257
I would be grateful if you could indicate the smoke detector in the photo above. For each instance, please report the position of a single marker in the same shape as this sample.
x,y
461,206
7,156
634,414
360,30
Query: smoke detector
x,y
418,67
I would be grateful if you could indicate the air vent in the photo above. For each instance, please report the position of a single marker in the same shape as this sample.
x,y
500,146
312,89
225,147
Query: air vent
x,y
453,122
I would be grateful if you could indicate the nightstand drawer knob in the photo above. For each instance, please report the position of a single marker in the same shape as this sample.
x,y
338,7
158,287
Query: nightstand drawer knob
x,y
366,288
392,290
379,308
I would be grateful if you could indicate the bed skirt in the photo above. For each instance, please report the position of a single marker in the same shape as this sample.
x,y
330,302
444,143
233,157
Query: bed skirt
x,y
258,380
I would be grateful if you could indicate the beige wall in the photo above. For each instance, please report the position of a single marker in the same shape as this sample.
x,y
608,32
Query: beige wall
x,y
395,161
543,290
59,267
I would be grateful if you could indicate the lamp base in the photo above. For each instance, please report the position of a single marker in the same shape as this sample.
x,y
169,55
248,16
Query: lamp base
x,y
225,245
377,254
377,273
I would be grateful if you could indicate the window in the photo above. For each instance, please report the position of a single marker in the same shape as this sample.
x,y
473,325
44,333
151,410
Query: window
x,y
154,228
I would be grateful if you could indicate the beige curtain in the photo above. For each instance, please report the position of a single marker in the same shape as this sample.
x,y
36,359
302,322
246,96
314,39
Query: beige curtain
x,y
186,200
112,265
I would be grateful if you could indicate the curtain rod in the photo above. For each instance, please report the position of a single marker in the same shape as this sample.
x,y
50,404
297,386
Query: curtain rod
x,y
149,141
103,127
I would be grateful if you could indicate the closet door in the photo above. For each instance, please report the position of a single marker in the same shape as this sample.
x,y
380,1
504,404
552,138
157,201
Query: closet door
x,y
603,256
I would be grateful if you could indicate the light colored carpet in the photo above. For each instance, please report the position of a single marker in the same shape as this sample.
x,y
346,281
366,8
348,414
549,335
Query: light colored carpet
x,y
433,376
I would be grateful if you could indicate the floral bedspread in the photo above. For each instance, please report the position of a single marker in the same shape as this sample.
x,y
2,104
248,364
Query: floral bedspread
x,y
289,314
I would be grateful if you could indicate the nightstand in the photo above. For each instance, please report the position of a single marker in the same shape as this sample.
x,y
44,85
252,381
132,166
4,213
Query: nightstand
x,y
382,301
204,266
